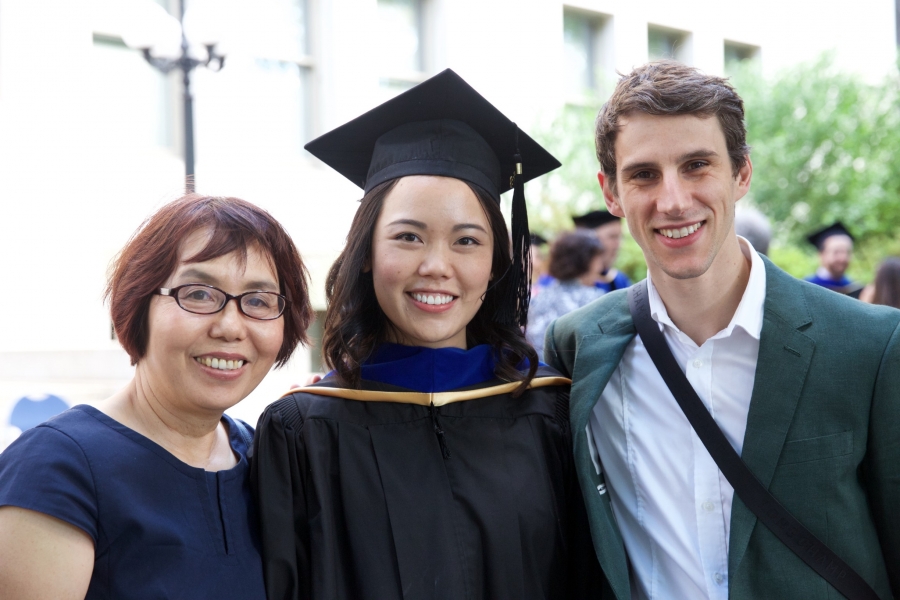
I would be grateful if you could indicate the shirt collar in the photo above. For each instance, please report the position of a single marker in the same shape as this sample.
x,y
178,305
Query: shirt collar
x,y
749,313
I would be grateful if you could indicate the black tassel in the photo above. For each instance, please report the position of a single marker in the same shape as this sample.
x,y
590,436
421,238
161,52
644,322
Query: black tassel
x,y
521,244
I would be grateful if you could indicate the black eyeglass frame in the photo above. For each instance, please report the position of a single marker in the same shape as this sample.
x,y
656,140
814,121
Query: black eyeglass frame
x,y
173,293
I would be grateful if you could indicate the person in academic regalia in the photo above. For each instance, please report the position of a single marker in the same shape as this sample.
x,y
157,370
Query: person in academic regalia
x,y
835,246
608,229
540,276
435,461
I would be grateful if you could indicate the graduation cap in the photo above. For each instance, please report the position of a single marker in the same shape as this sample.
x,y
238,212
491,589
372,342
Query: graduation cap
x,y
594,219
444,127
817,238
538,240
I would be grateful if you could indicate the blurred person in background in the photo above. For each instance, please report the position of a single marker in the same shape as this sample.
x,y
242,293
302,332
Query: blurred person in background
x,y
608,229
539,275
575,259
835,246
886,287
147,495
754,227
435,461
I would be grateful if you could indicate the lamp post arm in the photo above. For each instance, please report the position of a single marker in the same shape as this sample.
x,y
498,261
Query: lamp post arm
x,y
186,63
165,65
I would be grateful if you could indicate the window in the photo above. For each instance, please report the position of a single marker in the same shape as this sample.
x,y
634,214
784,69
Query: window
x,y
897,20
663,42
260,103
736,53
587,52
402,56
133,102
316,333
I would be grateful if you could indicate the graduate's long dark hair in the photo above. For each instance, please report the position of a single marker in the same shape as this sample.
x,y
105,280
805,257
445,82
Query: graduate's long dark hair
x,y
355,324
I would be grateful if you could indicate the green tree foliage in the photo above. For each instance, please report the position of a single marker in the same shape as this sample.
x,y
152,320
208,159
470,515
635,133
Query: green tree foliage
x,y
824,145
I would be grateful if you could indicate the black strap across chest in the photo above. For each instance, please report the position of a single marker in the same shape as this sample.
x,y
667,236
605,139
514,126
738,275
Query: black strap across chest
x,y
748,488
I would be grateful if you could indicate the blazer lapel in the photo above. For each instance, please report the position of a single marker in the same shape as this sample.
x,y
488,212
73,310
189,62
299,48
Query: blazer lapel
x,y
596,358
781,370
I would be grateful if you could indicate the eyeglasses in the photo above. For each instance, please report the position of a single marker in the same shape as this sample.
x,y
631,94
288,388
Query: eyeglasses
x,y
203,299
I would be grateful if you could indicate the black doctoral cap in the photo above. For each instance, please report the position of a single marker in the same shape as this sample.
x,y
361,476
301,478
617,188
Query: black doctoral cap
x,y
444,127
538,240
817,238
595,218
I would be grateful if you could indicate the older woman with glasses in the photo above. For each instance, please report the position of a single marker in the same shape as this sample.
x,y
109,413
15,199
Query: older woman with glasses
x,y
147,495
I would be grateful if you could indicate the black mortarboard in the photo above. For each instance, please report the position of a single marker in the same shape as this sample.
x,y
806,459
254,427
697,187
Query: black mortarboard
x,y
444,127
817,238
440,127
538,240
595,218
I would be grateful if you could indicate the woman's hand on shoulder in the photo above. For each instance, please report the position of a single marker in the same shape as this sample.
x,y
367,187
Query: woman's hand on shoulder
x,y
42,557
313,378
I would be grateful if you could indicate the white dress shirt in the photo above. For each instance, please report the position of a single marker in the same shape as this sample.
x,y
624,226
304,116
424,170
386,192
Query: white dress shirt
x,y
672,504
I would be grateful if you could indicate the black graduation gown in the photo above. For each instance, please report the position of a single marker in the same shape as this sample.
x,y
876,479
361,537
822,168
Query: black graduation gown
x,y
385,493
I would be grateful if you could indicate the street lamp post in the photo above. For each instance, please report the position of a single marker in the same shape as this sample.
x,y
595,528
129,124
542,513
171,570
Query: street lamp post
x,y
186,63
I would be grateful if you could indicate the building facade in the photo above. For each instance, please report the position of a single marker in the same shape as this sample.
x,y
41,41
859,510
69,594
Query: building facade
x,y
91,135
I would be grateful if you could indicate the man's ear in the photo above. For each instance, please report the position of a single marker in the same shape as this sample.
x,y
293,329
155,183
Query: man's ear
x,y
609,195
743,177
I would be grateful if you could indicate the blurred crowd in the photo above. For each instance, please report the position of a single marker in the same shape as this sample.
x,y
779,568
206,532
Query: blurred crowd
x,y
576,266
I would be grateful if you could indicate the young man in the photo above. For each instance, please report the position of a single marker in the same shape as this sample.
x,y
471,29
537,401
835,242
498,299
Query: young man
x,y
804,383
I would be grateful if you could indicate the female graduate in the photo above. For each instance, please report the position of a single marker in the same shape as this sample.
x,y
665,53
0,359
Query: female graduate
x,y
434,461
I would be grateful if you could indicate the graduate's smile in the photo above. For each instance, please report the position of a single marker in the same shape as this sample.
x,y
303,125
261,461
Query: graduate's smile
x,y
434,302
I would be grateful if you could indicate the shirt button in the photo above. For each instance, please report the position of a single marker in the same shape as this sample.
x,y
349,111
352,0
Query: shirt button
x,y
719,578
708,507
698,363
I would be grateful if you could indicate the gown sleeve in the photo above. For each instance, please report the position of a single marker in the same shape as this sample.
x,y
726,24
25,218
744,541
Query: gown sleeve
x,y
278,483
585,576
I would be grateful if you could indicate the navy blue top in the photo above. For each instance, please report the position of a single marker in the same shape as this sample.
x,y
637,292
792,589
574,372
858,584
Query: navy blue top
x,y
161,528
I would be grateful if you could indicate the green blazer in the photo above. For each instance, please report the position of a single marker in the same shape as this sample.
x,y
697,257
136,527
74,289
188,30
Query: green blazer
x,y
823,433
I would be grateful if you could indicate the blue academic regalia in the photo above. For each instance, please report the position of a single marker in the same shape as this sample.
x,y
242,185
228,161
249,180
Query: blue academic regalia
x,y
842,285
619,282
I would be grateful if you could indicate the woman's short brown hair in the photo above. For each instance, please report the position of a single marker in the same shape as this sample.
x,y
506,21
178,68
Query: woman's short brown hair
x,y
669,88
572,253
151,256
